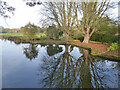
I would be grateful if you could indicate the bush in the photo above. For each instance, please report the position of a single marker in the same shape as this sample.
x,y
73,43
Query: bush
x,y
41,36
113,47
106,38
62,37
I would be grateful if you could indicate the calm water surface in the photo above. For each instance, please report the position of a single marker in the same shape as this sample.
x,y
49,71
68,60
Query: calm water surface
x,y
41,66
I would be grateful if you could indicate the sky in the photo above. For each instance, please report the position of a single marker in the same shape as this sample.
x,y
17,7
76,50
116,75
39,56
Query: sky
x,y
25,14
22,15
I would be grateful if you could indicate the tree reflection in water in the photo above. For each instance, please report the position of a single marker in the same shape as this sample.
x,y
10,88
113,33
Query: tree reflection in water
x,y
64,70
60,68
52,50
31,52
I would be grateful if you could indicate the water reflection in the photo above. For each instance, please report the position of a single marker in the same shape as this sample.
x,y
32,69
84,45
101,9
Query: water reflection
x,y
68,72
31,51
53,49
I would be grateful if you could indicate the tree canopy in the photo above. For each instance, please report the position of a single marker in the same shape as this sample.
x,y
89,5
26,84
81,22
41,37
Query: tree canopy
x,y
29,30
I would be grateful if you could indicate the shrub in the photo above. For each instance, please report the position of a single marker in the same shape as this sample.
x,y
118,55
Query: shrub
x,y
105,38
113,47
41,36
62,37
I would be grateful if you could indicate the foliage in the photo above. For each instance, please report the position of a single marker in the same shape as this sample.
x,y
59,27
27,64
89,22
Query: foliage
x,y
106,31
113,47
107,26
29,31
41,36
77,35
62,37
105,38
52,32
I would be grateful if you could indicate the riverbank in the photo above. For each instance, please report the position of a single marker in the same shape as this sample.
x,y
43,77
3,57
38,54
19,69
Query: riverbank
x,y
96,49
99,50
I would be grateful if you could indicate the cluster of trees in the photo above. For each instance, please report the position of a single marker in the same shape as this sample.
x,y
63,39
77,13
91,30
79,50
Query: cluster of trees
x,y
85,16
8,30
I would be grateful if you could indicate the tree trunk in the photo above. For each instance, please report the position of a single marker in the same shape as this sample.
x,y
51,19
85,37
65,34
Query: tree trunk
x,y
67,36
86,56
86,38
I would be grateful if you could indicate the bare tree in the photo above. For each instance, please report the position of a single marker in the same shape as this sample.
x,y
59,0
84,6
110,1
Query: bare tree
x,y
91,12
60,13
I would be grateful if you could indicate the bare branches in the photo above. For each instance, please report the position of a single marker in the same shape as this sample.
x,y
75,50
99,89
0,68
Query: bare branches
x,y
5,9
63,14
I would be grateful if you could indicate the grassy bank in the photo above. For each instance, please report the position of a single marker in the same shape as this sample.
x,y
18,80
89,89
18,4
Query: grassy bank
x,y
11,34
20,35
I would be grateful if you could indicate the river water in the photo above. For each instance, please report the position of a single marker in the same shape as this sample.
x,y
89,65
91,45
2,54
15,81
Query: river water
x,y
55,66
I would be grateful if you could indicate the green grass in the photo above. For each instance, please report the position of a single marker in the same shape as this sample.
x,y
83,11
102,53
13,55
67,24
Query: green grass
x,y
40,35
20,35
12,34
98,42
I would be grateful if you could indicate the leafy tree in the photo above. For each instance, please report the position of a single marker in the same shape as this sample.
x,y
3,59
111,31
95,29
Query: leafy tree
x,y
29,31
107,26
107,31
52,32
